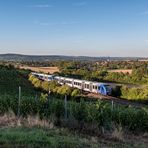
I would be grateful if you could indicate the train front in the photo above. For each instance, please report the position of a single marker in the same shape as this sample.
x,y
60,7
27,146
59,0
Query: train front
x,y
105,89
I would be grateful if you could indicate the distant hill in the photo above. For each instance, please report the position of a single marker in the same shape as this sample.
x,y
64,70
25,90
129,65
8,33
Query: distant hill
x,y
20,57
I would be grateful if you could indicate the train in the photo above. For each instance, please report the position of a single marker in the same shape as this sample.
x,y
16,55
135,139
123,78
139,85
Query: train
x,y
88,86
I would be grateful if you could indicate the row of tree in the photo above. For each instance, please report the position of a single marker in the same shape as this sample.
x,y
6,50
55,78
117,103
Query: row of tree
x,y
54,87
139,93
138,76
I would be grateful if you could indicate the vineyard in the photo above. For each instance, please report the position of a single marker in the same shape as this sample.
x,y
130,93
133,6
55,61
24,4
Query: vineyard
x,y
81,115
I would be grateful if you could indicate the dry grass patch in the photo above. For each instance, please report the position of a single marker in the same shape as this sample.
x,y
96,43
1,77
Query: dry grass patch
x,y
118,133
8,120
11,120
50,70
35,121
122,71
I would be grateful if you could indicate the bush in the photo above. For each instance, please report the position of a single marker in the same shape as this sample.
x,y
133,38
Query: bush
x,y
140,93
100,113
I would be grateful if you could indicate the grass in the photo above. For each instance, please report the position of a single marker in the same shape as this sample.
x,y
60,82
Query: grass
x,y
56,138
33,132
35,137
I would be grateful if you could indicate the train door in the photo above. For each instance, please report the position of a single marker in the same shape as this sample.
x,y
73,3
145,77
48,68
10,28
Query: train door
x,y
90,87
82,85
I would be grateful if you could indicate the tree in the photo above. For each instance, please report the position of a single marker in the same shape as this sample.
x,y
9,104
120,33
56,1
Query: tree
x,y
53,85
75,93
38,84
64,90
45,86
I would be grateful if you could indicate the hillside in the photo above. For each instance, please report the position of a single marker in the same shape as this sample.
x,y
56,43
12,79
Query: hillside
x,y
11,79
20,57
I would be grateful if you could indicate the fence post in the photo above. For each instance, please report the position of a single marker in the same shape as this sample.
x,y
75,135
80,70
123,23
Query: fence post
x,y
19,102
112,105
65,106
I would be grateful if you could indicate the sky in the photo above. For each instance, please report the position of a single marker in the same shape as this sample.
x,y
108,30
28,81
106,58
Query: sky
x,y
74,27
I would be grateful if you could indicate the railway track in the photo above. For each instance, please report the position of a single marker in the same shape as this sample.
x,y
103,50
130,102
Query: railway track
x,y
116,100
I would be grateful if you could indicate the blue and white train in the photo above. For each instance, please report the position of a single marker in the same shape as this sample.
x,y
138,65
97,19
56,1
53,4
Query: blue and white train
x,y
89,86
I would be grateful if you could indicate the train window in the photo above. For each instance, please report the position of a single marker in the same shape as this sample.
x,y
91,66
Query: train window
x,y
88,86
107,87
96,87
69,82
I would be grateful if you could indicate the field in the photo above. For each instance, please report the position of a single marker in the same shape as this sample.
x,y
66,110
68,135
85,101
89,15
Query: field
x,y
32,132
89,124
122,70
50,70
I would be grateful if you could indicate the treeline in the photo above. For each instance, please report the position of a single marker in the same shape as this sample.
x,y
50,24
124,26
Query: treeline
x,y
139,73
96,71
77,64
135,93
130,93
54,87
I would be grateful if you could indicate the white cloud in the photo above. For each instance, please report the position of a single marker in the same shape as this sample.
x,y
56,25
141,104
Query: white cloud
x,y
79,4
44,24
68,22
41,23
41,6
145,13
146,41
55,23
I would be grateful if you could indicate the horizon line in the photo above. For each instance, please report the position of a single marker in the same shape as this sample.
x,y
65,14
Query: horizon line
x,y
72,55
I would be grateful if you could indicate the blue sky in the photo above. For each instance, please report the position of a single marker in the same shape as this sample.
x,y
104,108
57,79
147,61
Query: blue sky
x,y
74,27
